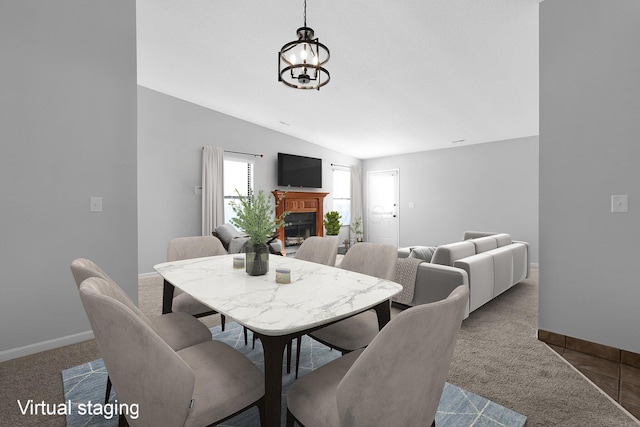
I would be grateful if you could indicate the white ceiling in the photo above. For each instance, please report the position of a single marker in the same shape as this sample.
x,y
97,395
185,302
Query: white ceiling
x,y
406,76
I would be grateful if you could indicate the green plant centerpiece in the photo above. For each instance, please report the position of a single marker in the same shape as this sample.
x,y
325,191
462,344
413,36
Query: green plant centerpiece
x,y
254,216
332,223
356,228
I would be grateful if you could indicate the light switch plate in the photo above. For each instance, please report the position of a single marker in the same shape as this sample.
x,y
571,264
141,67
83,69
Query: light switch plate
x,y
95,204
620,203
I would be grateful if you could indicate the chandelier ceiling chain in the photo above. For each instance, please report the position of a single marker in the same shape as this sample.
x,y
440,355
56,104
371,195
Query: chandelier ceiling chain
x,y
300,62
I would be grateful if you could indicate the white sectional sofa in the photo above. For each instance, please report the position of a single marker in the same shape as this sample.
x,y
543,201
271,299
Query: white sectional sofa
x,y
490,263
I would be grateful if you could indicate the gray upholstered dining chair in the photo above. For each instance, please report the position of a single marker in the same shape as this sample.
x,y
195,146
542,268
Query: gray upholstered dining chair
x,y
321,250
186,248
353,333
179,330
396,381
199,385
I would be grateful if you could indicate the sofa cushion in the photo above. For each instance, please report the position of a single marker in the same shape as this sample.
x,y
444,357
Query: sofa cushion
x,y
404,252
424,253
447,254
520,261
475,234
236,245
484,244
502,269
503,239
480,272
225,233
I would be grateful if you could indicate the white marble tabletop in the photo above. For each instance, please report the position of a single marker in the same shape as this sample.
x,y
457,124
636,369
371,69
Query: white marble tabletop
x,y
317,294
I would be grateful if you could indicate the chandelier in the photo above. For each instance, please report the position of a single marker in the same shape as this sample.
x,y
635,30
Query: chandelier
x,y
300,62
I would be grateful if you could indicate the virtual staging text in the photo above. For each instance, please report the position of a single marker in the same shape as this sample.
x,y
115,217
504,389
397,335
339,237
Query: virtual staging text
x,y
106,410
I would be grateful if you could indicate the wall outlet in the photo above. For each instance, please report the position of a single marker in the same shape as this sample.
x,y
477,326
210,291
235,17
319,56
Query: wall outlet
x,y
620,203
95,204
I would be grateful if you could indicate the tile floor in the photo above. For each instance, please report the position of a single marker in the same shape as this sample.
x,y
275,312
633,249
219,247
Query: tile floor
x,y
618,380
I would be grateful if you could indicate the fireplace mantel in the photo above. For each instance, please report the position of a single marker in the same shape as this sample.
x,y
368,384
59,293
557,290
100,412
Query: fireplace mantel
x,y
300,201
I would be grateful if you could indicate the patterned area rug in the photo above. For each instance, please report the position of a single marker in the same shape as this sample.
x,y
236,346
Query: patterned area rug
x,y
84,388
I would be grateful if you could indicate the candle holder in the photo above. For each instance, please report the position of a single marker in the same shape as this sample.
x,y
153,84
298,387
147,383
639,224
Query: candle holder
x,y
283,276
238,262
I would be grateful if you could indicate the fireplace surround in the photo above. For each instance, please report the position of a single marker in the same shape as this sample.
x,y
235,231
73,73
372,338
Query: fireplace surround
x,y
305,213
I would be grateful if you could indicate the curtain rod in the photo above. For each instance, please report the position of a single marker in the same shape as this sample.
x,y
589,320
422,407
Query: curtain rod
x,y
341,166
240,152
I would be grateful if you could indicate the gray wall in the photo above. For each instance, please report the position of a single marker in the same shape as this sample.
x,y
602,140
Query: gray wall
x,y
67,132
171,133
484,187
589,150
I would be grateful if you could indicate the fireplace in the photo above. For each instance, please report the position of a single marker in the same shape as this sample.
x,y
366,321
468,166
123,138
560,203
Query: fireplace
x,y
304,213
300,225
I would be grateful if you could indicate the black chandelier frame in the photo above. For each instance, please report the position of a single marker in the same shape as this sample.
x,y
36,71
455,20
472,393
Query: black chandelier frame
x,y
300,75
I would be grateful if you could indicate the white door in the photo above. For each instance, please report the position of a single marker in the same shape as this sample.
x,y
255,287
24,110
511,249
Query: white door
x,y
382,207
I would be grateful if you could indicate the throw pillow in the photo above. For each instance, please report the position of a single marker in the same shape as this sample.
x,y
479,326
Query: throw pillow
x,y
422,252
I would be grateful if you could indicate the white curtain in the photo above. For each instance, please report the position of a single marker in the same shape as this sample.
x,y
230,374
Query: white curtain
x,y
212,189
356,192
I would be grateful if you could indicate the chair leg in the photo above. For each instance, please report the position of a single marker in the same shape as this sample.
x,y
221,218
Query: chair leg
x,y
290,418
289,356
433,424
122,421
222,321
299,344
261,412
108,393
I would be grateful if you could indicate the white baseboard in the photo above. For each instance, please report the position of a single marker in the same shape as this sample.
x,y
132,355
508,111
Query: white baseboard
x,y
27,350
147,275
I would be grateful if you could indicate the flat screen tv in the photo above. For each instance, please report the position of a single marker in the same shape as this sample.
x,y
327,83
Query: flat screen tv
x,y
299,171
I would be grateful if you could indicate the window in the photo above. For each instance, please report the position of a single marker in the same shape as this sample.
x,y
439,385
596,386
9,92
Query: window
x,y
238,174
342,194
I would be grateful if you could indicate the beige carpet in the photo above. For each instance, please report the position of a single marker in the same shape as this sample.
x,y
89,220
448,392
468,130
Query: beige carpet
x,y
499,357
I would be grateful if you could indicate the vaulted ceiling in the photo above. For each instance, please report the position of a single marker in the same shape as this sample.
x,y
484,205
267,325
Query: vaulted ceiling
x,y
406,76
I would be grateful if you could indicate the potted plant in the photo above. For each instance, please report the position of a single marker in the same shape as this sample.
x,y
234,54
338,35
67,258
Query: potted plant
x,y
356,228
254,216
332,223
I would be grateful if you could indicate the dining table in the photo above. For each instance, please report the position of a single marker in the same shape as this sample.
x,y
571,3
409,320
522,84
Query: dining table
x,y
316,296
